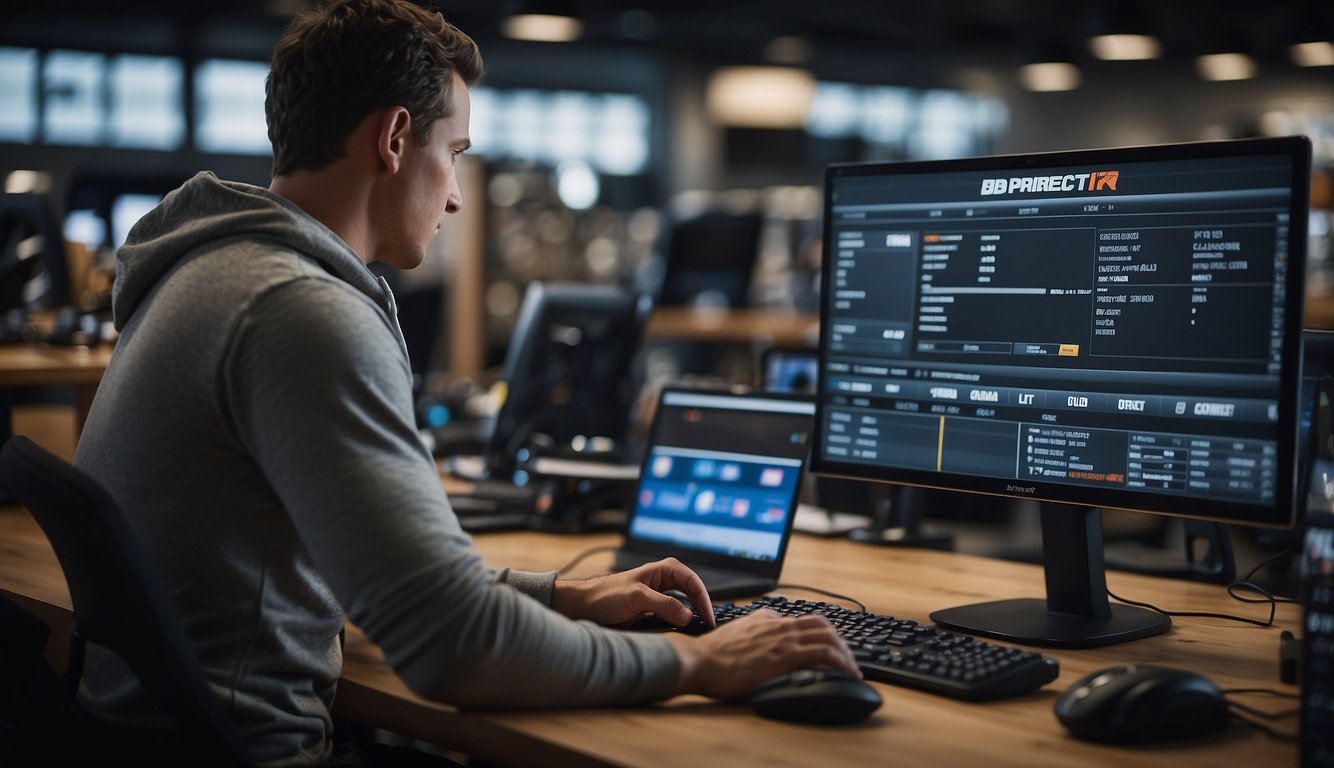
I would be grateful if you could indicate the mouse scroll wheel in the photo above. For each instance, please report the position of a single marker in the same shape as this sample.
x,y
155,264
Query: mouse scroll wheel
x,y
805,677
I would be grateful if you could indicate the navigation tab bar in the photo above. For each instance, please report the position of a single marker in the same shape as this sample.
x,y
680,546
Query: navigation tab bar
x,y
869,385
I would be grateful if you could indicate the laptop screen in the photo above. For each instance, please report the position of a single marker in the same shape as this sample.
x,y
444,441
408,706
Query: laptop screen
x,y
721,475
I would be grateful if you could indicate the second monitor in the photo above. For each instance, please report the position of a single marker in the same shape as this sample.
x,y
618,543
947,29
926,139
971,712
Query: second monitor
x,y
1107,328
567,373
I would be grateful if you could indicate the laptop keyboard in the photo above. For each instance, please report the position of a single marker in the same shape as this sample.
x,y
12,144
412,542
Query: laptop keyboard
x,y
903,652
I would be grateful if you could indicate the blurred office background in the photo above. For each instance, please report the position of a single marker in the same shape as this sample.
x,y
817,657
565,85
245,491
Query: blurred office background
x,y
669,145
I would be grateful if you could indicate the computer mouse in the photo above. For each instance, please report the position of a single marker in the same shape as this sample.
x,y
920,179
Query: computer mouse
x,y
1141,703
821,696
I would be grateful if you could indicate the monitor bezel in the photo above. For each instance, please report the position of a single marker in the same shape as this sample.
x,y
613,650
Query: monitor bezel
x,y
1282,512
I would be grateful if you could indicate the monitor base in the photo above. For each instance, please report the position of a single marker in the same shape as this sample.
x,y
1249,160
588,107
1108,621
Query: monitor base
x,y
1028,621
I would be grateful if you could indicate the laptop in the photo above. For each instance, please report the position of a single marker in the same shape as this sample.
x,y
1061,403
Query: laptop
x,y
719,484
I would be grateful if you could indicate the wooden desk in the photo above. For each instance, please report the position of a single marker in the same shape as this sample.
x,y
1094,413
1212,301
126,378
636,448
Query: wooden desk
x,y
30,365
911,728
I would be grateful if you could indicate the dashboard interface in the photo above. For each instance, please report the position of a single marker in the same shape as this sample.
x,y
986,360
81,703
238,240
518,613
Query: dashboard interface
x,y
1067,325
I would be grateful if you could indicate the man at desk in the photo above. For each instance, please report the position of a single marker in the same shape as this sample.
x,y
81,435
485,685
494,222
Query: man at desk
x,y
256,425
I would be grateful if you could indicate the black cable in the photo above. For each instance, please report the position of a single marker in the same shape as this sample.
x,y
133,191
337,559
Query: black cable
x,y
1200,614
1279,715
860,606
1236,584
579,558
1270,732
1267,691
1245,581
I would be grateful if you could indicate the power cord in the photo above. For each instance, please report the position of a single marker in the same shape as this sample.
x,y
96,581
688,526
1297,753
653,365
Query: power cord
x,y
579,558
1232,589
1202,614
860,606
1252,717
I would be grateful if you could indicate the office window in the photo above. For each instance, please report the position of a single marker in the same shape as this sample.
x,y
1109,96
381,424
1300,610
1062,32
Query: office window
x,y
146,97
72,87
18,92
835,112
621,143
229,107
908,123
570,137
125,211
885,115
524,128
609,132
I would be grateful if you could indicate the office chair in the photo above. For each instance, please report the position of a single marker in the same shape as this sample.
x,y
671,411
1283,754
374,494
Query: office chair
x,y
120,604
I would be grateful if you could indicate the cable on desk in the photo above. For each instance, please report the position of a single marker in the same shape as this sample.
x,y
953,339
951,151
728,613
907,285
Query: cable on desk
x,y
1268,691
1279,715
825,592
579,558
1243,583
1267,730
1246,583
1201,614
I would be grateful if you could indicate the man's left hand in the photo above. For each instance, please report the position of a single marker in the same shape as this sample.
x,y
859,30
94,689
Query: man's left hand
x,y
622,598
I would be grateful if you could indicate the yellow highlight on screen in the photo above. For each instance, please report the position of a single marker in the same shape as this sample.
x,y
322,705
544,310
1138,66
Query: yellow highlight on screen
x,y
1069,350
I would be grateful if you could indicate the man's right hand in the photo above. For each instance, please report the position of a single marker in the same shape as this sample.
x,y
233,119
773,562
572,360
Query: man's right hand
x,y
731,661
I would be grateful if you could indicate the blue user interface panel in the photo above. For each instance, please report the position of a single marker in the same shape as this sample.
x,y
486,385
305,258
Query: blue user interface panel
x,y
723,473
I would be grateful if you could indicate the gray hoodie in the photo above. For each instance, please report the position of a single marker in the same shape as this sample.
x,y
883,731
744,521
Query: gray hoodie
x,y
256,426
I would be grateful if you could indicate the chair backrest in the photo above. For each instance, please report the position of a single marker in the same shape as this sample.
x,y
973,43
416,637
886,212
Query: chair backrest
x,y
119,601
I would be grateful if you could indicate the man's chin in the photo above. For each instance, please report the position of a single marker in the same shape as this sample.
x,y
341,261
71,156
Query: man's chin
x,y
402,260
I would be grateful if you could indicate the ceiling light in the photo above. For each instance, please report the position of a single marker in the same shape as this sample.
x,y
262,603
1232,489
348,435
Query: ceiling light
x,y
1225,66
1318,53
1125,47
760,97
542,27
1049,76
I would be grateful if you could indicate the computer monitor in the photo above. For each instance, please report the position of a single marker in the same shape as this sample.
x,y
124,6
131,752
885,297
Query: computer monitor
x,y
1116,328
567,372
710,260
32,249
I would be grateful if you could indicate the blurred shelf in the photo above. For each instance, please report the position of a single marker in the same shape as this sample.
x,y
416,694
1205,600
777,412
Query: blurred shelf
x,y
1320,311
779,326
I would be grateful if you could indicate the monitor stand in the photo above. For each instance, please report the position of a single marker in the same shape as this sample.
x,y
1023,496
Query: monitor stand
x,y
1076,613
897,520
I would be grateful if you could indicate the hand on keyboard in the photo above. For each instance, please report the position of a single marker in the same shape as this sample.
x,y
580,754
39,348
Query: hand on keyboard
x,y
733,660
903,652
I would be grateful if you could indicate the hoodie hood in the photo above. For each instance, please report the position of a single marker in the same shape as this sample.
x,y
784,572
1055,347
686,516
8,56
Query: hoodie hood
x,y
207,211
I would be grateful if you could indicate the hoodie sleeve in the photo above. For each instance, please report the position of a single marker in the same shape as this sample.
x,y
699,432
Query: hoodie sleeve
x,y
319,391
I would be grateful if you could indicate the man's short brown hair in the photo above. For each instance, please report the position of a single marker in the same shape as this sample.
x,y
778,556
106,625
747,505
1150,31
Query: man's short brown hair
x,y
336,65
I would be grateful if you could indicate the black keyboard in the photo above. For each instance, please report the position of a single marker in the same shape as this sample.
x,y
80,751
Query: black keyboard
x,y
903,652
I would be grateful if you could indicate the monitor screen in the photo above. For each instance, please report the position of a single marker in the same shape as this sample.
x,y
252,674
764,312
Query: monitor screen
x,y
722,472
710,260
1108,328
567,371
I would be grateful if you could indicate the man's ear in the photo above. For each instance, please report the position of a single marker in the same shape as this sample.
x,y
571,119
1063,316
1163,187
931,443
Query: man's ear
x,y
393,137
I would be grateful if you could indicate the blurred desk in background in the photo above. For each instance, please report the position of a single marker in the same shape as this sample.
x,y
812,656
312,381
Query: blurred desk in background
x,y
36,365
774,325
